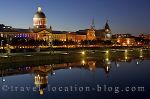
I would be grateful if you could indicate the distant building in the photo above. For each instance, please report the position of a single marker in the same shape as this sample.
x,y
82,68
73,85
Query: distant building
x,y
104,34
4,28
124,39
93,34
145,36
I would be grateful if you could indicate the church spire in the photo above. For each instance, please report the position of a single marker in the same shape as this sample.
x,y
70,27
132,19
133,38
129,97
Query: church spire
x,y
107,26
93,24
50,28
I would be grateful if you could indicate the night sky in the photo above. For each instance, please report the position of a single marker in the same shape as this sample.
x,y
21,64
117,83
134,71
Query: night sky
x,y
125,16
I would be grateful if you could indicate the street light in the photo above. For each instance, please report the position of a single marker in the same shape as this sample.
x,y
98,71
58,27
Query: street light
x,y
50,43
2,45
83,52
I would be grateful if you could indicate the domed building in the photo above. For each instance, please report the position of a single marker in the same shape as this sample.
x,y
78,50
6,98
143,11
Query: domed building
x,y
40,27
39,19
46,37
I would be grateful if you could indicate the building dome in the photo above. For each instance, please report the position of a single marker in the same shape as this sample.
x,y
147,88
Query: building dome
x,y
39,15
39,19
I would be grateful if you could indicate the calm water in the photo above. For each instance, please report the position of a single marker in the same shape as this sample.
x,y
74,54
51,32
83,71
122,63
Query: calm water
x,y
103,76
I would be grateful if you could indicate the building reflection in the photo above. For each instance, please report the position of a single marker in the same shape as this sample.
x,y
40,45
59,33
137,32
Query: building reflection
x,y
92,65
41,77
104,62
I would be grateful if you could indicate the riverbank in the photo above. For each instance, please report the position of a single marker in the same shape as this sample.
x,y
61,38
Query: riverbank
x,y
69,55
28,57
35,49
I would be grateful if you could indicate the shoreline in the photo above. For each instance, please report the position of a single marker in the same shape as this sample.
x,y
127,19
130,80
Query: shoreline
x,y
38,49
63,55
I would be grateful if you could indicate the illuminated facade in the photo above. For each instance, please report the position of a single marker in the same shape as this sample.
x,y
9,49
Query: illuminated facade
x,y
91,34
124,39
104,34
40,31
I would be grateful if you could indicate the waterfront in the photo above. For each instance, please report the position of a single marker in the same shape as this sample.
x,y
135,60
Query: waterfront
x,y
92,74
76,49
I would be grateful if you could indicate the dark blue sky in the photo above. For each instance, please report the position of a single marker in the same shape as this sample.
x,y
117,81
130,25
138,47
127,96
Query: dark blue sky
x,y
126,16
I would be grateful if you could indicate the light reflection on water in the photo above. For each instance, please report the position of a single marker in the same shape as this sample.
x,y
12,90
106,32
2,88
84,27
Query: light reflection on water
x,y
125,68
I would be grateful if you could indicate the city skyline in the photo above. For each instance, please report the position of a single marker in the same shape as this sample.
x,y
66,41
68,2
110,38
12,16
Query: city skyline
x,y
124,16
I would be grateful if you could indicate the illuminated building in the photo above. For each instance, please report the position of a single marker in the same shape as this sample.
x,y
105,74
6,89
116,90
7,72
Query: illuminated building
x,y
71,36
93,34
40,31
145,36
104,34
3,27
124,39
39,20
60,35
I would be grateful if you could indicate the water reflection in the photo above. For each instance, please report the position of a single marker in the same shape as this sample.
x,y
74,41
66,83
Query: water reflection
x,y
41,77
102,61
